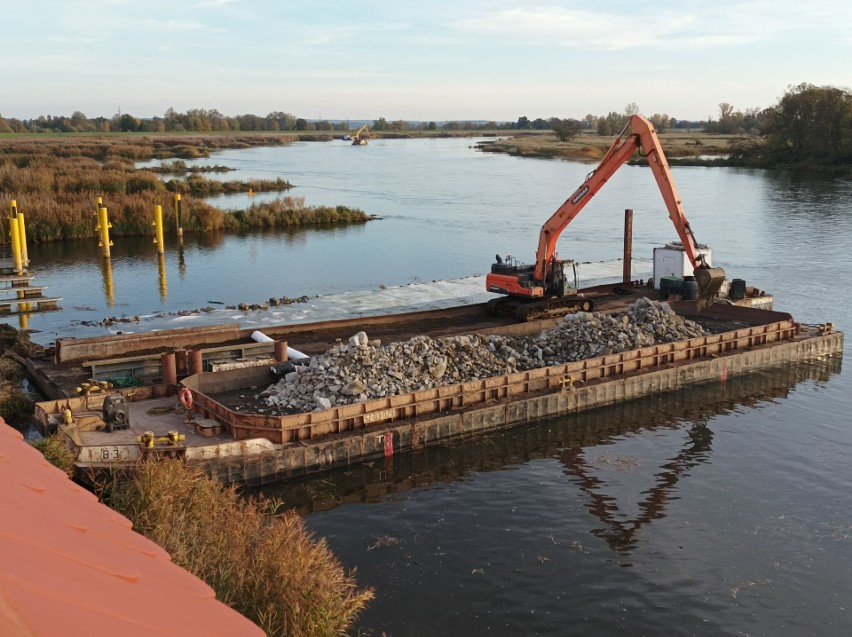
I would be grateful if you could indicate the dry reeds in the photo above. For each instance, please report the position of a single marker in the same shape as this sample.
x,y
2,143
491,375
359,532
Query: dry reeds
x,y
268,567
56,182
56,452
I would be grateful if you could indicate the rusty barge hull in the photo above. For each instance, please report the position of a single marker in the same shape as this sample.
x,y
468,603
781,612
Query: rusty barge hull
x,y
238,447
380,428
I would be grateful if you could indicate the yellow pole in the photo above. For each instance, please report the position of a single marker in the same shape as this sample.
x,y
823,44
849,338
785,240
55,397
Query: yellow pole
x,y
22,233
179,214
158,227
22,230
14,232
104,226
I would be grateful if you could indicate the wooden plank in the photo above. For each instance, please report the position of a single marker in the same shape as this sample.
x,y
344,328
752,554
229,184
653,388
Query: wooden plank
x,y
25,288
41,304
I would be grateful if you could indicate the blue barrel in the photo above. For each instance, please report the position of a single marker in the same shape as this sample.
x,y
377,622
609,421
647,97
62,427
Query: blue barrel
x,y
689,289
737,289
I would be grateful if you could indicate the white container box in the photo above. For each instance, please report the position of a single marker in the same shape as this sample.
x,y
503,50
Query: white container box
x,y
671,260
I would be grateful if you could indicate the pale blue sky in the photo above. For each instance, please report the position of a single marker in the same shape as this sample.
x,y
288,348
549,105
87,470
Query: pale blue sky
x,y
432,60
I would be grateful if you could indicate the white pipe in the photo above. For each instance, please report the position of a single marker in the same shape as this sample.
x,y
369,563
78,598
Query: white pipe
x,y
293,354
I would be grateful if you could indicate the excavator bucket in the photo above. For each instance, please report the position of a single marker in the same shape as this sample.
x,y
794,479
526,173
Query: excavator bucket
x,y
709,281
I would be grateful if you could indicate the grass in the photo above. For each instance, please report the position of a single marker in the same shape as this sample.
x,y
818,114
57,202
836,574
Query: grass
x,y
265,565
56,452
56,182
591,147
16,408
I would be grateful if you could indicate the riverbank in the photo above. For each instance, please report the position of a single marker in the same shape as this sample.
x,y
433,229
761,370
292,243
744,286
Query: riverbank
x,y
693,148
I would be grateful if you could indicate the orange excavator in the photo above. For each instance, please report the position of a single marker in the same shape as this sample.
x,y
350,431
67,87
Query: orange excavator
x,y
542,289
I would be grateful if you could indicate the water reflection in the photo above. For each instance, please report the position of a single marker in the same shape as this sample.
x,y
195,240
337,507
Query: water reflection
x,y
622,534
570,440
106,275
181,260
163,282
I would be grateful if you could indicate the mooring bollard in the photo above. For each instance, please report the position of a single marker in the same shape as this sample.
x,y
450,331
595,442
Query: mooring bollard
x,y
103,228
15,235
158,228
179,214
22,233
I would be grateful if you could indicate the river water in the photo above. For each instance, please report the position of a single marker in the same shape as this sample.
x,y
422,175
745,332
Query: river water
x,y
721,510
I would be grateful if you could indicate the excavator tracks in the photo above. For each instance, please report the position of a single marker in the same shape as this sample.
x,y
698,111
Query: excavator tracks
x,y
523,310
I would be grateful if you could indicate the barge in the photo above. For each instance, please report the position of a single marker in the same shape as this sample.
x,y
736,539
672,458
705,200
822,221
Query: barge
x,y
119,427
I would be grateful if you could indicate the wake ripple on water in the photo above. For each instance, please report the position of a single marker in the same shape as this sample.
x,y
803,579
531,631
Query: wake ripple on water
x,y
405,298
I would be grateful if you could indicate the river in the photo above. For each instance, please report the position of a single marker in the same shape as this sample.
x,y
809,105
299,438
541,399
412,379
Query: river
x,y
721,510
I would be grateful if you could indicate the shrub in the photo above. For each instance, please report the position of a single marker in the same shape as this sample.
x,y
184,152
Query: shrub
x,y
56,452
265,566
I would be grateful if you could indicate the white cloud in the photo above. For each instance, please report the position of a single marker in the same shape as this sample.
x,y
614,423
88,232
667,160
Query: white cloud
x,y
695,27
213,3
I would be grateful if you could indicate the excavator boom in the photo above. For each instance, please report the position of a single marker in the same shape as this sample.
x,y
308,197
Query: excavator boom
x,y
643,138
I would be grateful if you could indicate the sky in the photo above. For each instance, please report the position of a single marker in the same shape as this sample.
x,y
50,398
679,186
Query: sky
x,y
432,60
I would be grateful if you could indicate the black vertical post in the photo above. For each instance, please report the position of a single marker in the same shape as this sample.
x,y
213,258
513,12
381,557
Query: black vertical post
x,y
628,246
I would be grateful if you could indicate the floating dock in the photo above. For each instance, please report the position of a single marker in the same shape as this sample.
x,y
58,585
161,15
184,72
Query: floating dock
x,y
254,448
27,298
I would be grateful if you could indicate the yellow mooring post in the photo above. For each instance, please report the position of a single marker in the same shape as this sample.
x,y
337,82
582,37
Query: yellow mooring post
x,y
103,227
15,234
22,233
158,229
179,214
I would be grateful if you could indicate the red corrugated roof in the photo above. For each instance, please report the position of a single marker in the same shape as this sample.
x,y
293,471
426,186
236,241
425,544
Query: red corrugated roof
x,y
70,565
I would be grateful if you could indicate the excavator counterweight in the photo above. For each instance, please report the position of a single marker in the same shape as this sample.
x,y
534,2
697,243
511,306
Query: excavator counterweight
x,y
546,279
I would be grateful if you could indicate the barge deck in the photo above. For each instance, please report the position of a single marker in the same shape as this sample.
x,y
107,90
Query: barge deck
x,y
253,448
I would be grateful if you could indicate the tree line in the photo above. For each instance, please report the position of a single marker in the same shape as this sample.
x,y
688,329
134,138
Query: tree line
x,y
204,120
809,125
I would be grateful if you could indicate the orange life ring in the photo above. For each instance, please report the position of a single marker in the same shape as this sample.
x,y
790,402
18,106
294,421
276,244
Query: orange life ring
x,y
185,397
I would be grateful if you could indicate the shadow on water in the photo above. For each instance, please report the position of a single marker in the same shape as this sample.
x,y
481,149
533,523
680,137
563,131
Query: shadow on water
x,y
568,439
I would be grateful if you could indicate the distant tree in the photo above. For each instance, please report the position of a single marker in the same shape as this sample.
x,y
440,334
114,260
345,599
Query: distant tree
x,y
565,129
127,123
660,121
431,126
811,124
523,123
612,123
301,124
81,123
631,109
380,124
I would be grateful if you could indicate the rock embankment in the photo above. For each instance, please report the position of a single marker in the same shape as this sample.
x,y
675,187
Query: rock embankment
x,y
362,369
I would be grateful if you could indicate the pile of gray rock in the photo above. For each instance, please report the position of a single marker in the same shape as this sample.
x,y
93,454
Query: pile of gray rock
x,y
362,369
588,335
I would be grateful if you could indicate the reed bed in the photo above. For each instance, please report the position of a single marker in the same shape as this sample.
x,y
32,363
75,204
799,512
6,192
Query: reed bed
x,y
264,564
56,182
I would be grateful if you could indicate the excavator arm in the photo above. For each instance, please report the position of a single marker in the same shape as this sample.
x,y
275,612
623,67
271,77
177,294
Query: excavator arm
x,y
643,137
